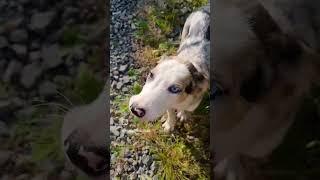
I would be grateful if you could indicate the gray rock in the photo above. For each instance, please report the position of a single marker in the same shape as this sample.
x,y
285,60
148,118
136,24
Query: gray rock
x,y
123,121
62,80
19,36
4,129
47,88
39,177
54,36
114,131
126,79
26,112
13,68
5,105
24,1
140,170
119,85
11,24
41,20
131,132
122,133
115,72
78,53
34,56
65,175
119,170
154,167
35,45
23,177
147,160
123,68
133,176
7,177
17,102
184,10
4,157
156,177
113,158
70,12
3,42
50,56
20,50
3,63
30,74
3,4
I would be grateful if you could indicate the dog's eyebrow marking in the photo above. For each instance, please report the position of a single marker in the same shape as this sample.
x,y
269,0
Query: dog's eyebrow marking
x,y
280,46
197,78
196,75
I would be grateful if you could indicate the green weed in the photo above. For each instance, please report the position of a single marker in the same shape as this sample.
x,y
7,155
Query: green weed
x,y
86,85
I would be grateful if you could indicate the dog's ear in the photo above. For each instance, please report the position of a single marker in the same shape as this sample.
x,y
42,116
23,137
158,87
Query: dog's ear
x,y
197,79
279,45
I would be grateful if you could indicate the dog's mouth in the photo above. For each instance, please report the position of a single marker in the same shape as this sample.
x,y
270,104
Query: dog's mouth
x,y
143,116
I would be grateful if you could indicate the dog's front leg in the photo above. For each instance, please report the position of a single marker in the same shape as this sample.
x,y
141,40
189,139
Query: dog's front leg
x,y
170,122
182,115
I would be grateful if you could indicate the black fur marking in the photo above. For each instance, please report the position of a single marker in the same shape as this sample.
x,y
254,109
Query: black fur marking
x,y
74,144
197,78
254,86
280,46
208,33
189,88
196,75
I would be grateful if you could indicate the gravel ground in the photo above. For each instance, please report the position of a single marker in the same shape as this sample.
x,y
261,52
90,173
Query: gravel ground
x,y
135,164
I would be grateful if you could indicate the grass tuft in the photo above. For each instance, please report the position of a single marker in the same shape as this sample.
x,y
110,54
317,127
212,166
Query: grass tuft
x,y
177,157
86,85
72,36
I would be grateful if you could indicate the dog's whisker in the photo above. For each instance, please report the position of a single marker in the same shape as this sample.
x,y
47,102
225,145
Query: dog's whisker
x,y
61,107
67,99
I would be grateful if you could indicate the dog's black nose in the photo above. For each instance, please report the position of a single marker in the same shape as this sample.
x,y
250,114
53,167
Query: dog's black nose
x,y
139,112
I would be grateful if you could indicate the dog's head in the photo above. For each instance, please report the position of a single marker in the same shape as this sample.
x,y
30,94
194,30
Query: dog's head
x,y
260,72
173,83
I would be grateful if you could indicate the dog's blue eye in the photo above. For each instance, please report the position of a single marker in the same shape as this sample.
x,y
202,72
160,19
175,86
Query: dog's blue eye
x,y
174,89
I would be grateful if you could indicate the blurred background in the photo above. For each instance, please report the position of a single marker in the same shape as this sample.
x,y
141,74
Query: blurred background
x,y
52,58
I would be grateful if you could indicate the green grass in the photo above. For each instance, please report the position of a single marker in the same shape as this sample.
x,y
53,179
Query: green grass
x,y
178,158
86,85
72,36
121,102
133,72
43,139
155,25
